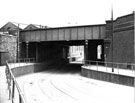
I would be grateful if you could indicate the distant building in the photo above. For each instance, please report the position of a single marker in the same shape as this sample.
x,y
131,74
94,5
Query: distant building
x,y
30,27
9,28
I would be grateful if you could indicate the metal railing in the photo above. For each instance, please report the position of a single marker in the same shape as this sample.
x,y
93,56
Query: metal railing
x,y
15,93
22,60
117,68
13,87
127,69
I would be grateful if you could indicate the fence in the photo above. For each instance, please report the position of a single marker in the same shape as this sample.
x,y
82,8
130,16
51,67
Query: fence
x,y
15,93
127,69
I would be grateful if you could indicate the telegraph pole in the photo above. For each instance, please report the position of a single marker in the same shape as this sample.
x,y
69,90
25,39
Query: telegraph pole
x,y
134,56
18,43
112,37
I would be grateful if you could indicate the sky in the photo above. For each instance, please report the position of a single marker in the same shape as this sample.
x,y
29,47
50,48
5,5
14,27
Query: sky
x,y
56,13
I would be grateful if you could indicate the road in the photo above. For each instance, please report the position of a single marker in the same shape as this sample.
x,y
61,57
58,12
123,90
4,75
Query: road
x,y
66,87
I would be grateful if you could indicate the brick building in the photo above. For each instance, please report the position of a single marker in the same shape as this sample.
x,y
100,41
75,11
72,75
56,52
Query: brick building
x,y
123,39
9,28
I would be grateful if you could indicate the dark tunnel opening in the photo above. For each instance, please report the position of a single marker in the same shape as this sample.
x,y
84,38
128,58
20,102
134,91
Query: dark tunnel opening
x,y
66,56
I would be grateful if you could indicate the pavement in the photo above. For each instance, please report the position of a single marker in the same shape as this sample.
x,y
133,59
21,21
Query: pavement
x,y
4,96
119,71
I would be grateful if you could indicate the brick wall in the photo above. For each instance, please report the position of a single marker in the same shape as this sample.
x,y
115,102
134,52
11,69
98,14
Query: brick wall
x,y
124,47
109,77
8,43
123,40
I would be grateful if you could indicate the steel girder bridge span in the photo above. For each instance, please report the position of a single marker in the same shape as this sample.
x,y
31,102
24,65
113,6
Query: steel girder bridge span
x,y
56,43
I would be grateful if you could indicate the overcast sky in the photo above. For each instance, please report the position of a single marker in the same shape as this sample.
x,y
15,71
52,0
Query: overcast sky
x,y
62,12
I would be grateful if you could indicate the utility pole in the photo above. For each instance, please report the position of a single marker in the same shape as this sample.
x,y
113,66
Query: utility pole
x,y
18,43
134,55
112,37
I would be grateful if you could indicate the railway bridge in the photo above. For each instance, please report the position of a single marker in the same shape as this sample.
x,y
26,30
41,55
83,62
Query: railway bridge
x,y
51,43
54,43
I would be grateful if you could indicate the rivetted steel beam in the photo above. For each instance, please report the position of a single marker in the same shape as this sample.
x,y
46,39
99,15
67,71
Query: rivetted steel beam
x,y
64,33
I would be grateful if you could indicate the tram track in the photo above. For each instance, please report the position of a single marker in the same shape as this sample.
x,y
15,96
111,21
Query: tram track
x,y
33,92
44,85
55,87
56,94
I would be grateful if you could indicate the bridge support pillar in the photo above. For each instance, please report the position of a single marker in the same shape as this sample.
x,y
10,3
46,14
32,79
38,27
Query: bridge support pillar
x,y
85,51
37,53
65,52
27,49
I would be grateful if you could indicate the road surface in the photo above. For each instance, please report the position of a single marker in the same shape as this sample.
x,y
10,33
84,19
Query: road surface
x,y
58,87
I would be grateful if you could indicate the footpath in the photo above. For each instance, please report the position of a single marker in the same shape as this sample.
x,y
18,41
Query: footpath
x,y
4,96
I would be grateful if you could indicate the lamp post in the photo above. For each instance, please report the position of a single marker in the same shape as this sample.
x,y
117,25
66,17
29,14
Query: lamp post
x,y
27,49
86,52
